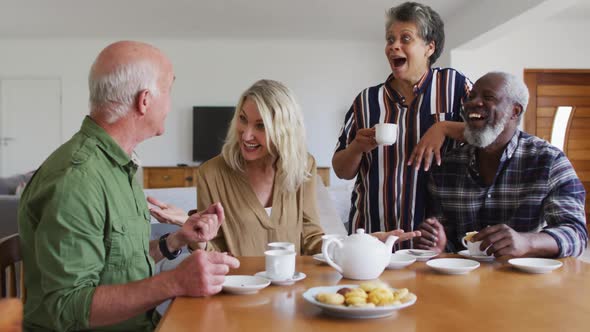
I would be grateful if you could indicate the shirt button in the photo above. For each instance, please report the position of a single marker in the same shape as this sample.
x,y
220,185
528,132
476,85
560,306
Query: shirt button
x,y
489,195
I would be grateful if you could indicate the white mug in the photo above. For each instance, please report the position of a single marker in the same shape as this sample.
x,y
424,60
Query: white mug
x,y
473,247
280,264
385,133
281,245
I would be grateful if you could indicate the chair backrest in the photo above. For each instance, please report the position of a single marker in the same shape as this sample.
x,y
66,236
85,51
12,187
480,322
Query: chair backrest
x,y
10,258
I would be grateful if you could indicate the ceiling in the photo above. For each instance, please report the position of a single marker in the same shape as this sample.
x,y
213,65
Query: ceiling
x,y
185,19
578,12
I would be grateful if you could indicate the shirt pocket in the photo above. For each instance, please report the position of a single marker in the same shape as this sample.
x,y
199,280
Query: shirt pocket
x,y
127,241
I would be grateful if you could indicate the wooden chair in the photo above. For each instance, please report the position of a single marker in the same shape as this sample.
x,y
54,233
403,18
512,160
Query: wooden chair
x,y
11,315
10,257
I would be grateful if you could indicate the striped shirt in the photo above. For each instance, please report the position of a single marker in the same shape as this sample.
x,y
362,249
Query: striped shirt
x,y
535,189
388,194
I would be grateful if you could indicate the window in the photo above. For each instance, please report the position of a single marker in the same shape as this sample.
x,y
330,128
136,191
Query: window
x,y
560,123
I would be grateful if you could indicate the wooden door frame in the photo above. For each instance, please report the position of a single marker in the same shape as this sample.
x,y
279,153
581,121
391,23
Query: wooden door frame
x,y
532,77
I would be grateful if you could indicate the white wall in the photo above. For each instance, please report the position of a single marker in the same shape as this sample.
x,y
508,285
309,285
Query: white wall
x,y
548,45
325,76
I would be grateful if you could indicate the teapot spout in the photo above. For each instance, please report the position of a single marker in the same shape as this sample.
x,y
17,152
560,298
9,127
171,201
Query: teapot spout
x,y
390,242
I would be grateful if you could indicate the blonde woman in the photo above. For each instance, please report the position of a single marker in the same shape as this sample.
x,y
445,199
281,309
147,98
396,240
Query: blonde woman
x,y
264,178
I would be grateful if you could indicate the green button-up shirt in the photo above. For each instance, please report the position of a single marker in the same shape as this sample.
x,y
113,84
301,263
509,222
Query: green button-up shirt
x,y
83,222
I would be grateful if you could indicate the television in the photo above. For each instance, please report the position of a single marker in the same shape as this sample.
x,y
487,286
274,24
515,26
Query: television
x,y
210,124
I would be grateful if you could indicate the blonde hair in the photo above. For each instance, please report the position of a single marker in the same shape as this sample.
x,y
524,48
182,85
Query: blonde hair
x,y
285,134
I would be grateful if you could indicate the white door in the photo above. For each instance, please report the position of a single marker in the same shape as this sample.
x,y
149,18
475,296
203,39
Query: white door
x,y
30,123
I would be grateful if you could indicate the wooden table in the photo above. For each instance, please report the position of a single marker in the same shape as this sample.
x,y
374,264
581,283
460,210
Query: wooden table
x,y
494,297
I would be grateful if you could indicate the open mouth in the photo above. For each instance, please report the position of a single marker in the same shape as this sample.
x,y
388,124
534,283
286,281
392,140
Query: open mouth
x,y
251,146
476,117
398,62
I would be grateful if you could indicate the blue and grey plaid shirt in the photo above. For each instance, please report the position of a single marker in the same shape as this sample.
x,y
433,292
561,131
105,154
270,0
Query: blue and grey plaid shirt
x,y
535,189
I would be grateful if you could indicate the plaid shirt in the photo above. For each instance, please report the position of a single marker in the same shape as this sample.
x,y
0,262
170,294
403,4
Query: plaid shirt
x,y
535,189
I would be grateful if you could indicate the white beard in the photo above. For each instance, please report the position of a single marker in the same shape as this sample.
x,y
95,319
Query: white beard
x,y
485,136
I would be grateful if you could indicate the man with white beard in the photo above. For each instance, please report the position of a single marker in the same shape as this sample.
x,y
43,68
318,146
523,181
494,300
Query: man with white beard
x,y
519,192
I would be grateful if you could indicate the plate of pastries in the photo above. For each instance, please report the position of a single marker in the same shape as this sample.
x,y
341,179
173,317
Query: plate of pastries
x,y
372,299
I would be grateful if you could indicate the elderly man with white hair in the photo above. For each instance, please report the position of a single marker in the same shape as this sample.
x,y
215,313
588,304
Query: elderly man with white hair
x,y
83,220
521,193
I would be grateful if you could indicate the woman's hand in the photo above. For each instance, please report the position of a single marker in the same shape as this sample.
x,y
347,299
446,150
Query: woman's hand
x,y
364,141
167,214
403,236
429,146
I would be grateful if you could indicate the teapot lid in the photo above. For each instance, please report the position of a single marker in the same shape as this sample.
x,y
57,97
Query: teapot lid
x,y
360,236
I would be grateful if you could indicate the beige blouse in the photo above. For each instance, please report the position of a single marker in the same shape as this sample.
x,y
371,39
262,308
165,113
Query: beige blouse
x,y
248,227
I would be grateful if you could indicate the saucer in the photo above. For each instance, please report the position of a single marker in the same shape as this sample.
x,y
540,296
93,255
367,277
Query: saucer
x,y
535,265
320,258
420,254
453,265
399,261
482,258
286,282
236,284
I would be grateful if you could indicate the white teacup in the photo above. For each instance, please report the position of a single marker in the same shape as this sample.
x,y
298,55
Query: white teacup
x,y
473,247
281,245
280,264
385,133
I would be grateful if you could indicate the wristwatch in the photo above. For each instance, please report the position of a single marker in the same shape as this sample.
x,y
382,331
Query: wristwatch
x,y
164,248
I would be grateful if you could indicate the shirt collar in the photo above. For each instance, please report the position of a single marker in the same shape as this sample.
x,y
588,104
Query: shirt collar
x,y
511,147
418,87
506,155
105,142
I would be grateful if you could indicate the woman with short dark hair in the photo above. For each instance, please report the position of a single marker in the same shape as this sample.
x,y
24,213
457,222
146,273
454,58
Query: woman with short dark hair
x,y
425,103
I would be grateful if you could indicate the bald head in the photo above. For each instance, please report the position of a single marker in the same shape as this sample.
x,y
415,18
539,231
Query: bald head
x,y
120,72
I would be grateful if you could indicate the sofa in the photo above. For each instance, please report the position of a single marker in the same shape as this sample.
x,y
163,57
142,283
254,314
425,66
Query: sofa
x,y
10,189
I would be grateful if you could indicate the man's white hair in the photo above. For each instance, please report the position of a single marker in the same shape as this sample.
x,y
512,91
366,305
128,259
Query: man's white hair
x,y
514,89
113,94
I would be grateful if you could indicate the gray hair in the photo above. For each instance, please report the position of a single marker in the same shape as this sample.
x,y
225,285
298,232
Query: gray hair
x,y
114,93
430,25
514,89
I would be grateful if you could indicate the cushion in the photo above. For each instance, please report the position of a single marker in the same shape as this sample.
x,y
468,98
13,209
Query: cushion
x,y
9,185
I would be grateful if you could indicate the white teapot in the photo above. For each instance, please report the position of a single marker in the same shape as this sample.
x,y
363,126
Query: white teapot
x,y
360,256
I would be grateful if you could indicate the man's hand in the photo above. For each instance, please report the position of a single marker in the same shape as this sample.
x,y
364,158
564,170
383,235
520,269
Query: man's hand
x,y
501,240
403,236
167,214
364,141
203,273
199,228
429,146
433,236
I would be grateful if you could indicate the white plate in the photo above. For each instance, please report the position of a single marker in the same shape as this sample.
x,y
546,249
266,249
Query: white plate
x,y
244,284
399,261
320,257
350,312
420,254
296,277
535,265
453,265
465,253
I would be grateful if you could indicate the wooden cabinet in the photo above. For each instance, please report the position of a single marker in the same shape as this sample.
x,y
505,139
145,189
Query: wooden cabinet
x,y
184,176
168,177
